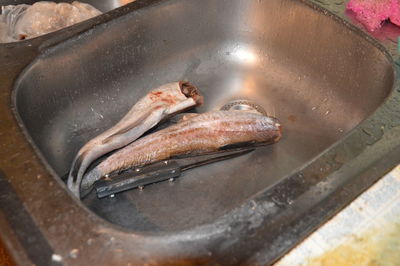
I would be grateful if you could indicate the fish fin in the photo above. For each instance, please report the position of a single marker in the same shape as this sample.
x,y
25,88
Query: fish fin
x,y
191,153
181,117
237,145
188,116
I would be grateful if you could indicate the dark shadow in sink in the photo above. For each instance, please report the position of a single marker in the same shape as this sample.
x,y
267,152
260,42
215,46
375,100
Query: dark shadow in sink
x,y
314,74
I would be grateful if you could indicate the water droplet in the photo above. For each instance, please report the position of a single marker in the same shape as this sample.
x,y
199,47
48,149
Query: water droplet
x,y
327,112
74,253
56,257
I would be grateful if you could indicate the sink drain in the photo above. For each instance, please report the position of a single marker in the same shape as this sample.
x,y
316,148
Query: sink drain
x,y
243,105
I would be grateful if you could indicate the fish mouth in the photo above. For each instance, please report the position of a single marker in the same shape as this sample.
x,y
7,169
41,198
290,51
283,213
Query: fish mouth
x,y
191,91
253,107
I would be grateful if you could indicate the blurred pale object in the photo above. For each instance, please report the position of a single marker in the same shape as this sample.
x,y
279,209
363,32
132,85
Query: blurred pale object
x,y
29,21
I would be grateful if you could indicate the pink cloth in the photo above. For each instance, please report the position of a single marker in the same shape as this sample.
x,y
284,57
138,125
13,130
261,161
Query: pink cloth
x,y
371,13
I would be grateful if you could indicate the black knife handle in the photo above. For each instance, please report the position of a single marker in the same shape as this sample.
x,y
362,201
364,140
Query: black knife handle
x,y
135,178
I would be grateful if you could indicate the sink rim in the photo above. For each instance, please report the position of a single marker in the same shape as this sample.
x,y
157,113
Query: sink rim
x,y
220,226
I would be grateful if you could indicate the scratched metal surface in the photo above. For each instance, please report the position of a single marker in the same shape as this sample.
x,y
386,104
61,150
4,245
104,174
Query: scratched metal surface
x,y
367,232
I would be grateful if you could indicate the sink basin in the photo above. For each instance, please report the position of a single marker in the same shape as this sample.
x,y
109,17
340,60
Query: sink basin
x,y
320,81
319,76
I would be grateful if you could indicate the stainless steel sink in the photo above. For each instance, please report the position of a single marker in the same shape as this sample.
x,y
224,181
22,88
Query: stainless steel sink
x,y
319,76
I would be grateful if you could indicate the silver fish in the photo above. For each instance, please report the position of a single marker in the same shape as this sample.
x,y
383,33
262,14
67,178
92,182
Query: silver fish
x,y
205,132
145,114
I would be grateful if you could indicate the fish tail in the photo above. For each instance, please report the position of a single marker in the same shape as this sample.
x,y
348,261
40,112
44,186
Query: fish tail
x,y
91,177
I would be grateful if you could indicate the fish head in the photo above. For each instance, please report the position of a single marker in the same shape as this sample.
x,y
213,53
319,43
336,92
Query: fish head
x,y
191,91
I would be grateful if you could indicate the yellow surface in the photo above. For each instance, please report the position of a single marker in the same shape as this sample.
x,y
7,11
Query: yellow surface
x,y
380,246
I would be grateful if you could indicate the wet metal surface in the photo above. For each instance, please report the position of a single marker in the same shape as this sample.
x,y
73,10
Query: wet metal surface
x,y
321,78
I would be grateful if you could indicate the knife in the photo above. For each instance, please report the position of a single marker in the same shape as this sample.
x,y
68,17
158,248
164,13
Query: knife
x,y
160,171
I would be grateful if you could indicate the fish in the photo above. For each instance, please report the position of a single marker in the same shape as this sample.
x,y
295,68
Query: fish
x,y
157,105
193,134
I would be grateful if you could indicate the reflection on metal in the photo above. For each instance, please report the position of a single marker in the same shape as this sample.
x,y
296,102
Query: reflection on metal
x,y
244,105
107,5
244,55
